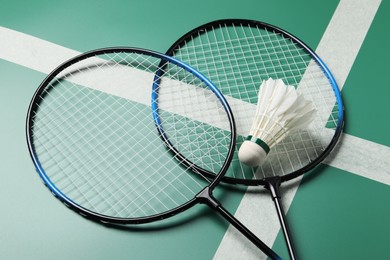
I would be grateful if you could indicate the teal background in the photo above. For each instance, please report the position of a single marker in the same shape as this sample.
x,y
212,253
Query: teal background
x,y
335,214
365,91
345,216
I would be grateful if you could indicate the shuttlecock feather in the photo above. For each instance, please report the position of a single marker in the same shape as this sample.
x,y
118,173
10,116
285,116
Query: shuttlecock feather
x,y
280,110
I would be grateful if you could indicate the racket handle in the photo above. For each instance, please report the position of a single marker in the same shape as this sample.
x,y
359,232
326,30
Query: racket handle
x,y
208,199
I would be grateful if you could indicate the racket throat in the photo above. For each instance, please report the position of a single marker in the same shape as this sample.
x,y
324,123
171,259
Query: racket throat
x,y
273,185
206,197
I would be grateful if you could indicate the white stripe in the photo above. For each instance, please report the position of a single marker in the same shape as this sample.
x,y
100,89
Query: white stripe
x,y
44,56
345,34
362,157
338,48
32,52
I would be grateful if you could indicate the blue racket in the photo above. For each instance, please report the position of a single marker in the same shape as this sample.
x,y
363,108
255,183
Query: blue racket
x,y
91,133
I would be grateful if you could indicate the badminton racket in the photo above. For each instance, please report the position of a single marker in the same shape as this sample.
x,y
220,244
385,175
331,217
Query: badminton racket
x,y
91,133
237,55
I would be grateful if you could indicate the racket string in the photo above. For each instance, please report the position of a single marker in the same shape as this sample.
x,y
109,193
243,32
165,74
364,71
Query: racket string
x,y
118,189
85,136
237,58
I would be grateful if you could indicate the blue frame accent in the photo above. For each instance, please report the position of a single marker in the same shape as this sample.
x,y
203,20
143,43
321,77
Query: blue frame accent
x,y
335,87
182,41
66,200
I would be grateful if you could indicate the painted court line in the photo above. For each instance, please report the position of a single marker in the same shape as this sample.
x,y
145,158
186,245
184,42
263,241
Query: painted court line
x,y
360,156
345,34
338,47
32,52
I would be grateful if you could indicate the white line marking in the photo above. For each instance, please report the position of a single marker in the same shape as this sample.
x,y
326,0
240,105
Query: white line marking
x,y
345,34
44,56
338,48
362,157
32,52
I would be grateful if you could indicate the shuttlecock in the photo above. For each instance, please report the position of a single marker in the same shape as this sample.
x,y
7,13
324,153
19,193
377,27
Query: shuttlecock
x,y
280,110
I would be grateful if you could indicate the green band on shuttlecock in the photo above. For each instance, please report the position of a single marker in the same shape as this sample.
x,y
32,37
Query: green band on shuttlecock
x,y
259,142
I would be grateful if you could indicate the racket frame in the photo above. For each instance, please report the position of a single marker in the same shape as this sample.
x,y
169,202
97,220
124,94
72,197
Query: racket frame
x,y
82,210
273,183
253,23
205,196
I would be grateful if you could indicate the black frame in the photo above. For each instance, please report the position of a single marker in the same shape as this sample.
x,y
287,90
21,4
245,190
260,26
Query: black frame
x,y
272,183
253,23
203,197
57,193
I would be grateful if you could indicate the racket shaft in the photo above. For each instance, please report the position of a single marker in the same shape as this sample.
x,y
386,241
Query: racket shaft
x,y
273,186
285,228
247,233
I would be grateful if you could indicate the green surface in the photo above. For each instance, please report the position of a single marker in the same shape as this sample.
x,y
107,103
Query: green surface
x,y
85,25
366,92
338,215
335,214
34,225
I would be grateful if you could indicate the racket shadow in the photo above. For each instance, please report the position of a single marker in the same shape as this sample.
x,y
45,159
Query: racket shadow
x,y
173,223
190,217
94,128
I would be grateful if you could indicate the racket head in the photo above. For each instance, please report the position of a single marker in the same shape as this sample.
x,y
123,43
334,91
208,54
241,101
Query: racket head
x,y
236,55
92,137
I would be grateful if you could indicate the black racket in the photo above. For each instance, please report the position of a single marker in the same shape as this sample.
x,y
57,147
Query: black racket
x,y
237,55
91,134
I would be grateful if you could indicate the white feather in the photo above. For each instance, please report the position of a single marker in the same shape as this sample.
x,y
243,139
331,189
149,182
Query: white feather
x,y
280,110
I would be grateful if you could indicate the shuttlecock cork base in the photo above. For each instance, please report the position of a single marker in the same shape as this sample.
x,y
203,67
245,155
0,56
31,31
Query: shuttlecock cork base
x,y
253,151
280,110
